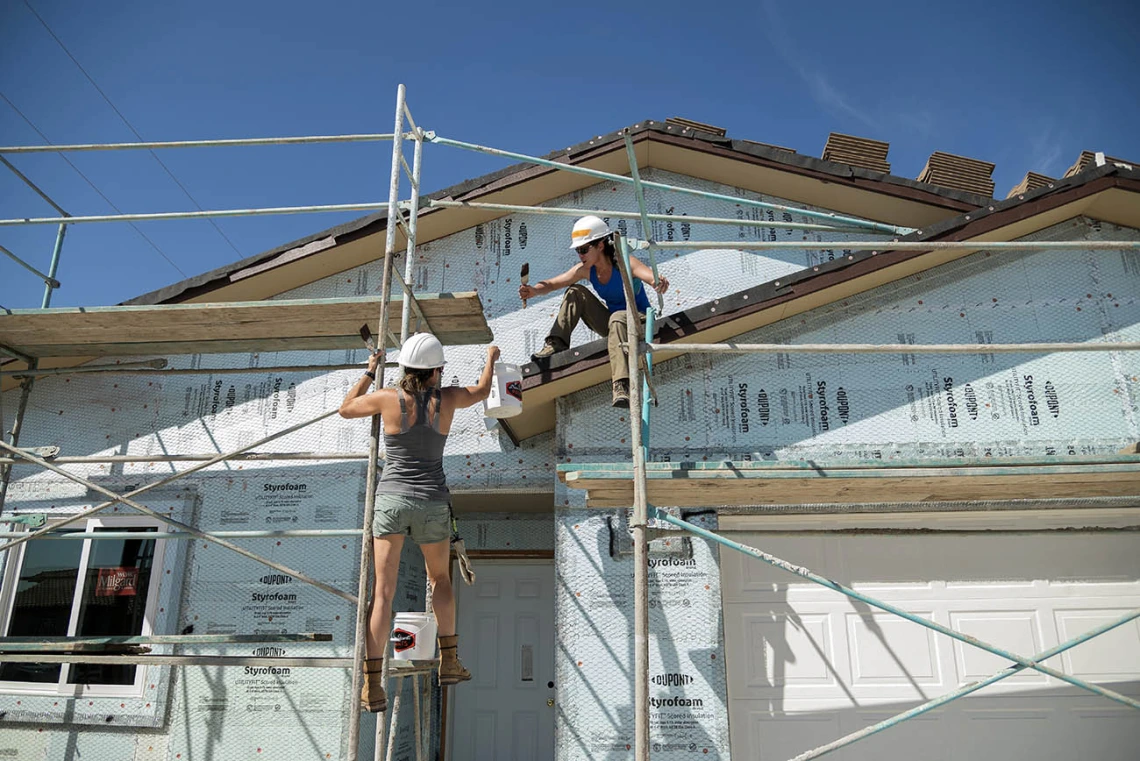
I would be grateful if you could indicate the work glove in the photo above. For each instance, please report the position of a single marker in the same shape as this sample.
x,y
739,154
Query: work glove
x,y
466,570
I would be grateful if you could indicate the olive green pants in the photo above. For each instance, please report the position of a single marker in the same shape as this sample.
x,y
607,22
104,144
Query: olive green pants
x,y
579,304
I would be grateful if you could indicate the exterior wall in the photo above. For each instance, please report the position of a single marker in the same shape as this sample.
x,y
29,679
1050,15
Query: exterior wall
x,y
815,406
829,408
201,711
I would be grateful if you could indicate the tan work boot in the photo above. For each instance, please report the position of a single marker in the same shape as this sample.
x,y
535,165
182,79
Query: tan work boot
x,y
621,393
372,696
451,671
549,349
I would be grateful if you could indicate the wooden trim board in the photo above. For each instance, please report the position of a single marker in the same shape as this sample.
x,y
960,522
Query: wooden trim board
x,y
610,485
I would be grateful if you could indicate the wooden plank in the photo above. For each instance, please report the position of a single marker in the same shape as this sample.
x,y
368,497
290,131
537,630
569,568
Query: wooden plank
x,y
306,324
744,469
843,491
740,484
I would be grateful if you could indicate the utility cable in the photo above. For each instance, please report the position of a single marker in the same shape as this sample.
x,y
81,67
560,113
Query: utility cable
x,y
93,185
129,125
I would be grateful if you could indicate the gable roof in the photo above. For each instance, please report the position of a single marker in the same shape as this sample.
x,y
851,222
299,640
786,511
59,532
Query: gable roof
x,y
1109,193
671,147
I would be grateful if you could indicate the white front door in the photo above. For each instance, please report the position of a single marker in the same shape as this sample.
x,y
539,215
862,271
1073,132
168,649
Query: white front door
x,y
506,640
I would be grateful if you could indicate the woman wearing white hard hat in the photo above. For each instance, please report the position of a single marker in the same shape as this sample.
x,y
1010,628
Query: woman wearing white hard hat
x,y
412,498
592,239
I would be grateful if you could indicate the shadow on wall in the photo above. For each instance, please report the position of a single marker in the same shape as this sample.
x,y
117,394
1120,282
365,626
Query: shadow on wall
x,y
603,618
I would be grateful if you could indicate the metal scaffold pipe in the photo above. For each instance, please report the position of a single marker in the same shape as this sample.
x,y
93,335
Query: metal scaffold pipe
x,y
268,534
409,257
51,283
1019,348
48,279
876,247
646,226
35,188
41,644
834,218
303,139
640,520
157,458
562,211
179,660
158,367
207,214
359,651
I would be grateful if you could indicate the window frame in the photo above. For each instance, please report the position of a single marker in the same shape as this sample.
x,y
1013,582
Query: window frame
x,y
12,568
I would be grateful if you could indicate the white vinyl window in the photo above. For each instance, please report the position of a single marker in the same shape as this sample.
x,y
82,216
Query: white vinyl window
x,y
89,587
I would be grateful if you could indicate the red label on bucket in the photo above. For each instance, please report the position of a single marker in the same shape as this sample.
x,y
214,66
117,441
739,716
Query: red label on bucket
x,y
514,388
403,640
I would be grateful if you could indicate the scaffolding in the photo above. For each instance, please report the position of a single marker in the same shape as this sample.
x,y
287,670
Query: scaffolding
x,y
27,338
415,313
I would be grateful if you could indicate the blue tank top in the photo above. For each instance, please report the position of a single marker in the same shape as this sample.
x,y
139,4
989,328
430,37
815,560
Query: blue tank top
x,y
613,292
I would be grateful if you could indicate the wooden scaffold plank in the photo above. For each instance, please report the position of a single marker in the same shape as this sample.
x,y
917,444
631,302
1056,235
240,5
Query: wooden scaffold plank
x,y
234,327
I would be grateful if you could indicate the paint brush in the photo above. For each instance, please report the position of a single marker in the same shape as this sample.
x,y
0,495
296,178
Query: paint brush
x,y
524,277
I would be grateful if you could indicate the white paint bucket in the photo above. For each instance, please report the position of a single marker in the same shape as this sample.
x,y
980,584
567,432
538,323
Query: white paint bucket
x,y
506,392
413,637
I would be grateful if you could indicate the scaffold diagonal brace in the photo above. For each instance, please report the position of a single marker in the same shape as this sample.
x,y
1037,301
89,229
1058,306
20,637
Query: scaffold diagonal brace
x,y
646,225
14,354
178,524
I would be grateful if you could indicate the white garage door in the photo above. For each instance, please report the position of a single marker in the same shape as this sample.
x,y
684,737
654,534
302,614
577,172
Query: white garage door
x,y
807,665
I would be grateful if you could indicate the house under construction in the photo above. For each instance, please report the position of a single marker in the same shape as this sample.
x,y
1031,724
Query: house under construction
x,y
877,494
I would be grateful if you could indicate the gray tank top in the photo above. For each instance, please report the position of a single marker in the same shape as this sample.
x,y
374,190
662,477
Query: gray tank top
x,y
414,456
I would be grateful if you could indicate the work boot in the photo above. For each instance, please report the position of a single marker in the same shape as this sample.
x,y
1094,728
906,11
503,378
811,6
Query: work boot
x,y
551,347
621,393
451,671
372,697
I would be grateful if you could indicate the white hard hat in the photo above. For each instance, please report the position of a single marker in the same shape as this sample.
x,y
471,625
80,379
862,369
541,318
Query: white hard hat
x,y
421,351
587,230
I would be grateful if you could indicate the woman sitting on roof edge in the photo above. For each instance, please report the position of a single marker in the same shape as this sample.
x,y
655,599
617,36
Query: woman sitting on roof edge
x,y
593,241
412,497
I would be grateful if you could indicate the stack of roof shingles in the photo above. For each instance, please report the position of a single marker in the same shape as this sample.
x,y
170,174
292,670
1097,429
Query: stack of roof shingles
x,y
857,151
683,123
1088,158
949,171
1032,181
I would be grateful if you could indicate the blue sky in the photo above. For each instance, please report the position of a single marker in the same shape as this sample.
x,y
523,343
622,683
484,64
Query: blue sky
x,y
1025,85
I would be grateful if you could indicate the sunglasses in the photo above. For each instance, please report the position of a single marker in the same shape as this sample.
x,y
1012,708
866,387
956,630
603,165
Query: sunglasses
x,y
584,248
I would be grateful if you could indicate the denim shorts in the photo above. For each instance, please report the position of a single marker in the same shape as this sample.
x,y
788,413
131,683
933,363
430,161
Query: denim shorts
x,y
425,520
